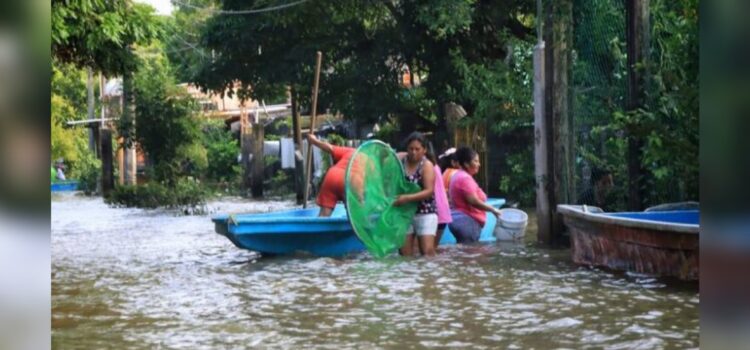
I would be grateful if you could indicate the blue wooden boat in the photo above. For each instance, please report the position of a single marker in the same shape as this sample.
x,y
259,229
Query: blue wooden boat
x,y
301,230
656,242
63,186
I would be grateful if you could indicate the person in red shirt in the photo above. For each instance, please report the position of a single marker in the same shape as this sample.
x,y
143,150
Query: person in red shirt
x,y
332,188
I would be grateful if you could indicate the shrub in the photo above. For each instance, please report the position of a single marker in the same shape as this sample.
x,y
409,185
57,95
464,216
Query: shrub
x,y
185,193
518,184
89,173
222,150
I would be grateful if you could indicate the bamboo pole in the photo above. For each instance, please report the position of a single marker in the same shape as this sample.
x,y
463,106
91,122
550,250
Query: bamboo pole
x,y
308,158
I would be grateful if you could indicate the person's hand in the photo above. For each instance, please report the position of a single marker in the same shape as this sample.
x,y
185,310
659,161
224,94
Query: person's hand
x,y
399,201
496,212
311,137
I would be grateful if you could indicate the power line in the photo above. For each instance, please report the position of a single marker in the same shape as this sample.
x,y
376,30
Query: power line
x,y
242,12
190,45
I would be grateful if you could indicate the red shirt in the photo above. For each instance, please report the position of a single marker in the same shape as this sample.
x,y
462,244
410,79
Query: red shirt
x,y
332,189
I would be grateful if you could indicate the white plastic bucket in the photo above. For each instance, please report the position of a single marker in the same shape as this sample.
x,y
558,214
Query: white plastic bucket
x,y
511,226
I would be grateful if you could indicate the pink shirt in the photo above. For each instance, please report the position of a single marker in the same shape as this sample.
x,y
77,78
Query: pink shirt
x,y
463,184
441,199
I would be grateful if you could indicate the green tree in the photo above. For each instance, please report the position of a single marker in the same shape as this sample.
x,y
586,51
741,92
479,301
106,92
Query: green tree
x,y
476,53
366,47
69,82
100,33
222,150
96,34
670,117
167,127
63,139
68,102
668,120
182,38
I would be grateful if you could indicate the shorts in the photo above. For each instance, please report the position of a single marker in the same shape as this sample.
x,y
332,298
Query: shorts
x,y
424,225
464,228
442,226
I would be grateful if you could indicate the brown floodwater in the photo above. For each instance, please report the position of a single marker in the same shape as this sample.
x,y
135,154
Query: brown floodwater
x,y
131,278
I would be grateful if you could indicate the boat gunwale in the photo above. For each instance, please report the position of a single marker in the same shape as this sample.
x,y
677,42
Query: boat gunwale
x,y
276,220
576,211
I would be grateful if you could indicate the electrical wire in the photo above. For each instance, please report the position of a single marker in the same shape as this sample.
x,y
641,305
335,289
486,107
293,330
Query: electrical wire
x,y
242,12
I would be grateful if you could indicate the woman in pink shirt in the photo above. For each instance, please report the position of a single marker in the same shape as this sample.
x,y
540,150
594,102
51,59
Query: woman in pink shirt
x,y
442,207
469,201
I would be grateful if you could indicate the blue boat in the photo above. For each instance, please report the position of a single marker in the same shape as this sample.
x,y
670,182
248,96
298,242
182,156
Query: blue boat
x,y
64,186
660,241
301,230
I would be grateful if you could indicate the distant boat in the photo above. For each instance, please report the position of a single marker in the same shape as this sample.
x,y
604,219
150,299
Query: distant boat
x,y
301,230
655,242
62,186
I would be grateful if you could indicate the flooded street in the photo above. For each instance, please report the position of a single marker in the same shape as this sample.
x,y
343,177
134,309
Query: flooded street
x,y
131,278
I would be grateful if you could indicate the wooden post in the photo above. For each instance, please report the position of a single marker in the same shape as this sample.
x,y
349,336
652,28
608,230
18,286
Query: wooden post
x,y
120,155
313,113
90,110
108,179
258,162
246,147
558,41
104,102
453,113
128,112
95,127
637,37
541,149
299,174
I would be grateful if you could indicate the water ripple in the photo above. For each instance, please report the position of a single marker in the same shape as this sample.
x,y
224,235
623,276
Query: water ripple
x,y
131,278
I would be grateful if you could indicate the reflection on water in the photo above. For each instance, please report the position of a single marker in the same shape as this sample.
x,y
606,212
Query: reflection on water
x,y
129,278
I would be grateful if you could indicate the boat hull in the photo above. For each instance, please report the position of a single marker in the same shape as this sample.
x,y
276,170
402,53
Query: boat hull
x,y
64,186
636,242
296,231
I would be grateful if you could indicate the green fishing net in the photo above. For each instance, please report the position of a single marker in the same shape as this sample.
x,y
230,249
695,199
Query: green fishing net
x,y
374,178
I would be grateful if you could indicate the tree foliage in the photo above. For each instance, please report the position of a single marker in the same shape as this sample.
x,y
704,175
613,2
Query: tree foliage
x,y
166,124
668,120
476,53
366,45
99,33
63,139
472,52
222,150
183,34
68,102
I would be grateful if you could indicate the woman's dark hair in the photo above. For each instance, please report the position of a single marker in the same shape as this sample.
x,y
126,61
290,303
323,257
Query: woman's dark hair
x,y
430,154
464,155
416,136
446,161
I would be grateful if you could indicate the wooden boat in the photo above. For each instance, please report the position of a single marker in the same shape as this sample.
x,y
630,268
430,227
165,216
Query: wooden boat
x,y
657,242
61,186
301,230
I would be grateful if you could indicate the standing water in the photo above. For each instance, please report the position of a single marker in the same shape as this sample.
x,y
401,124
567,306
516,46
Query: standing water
x,y
131,278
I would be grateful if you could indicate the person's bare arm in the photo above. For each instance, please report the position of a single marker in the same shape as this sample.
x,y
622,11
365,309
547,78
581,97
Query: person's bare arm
x,y
474,201
325,146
